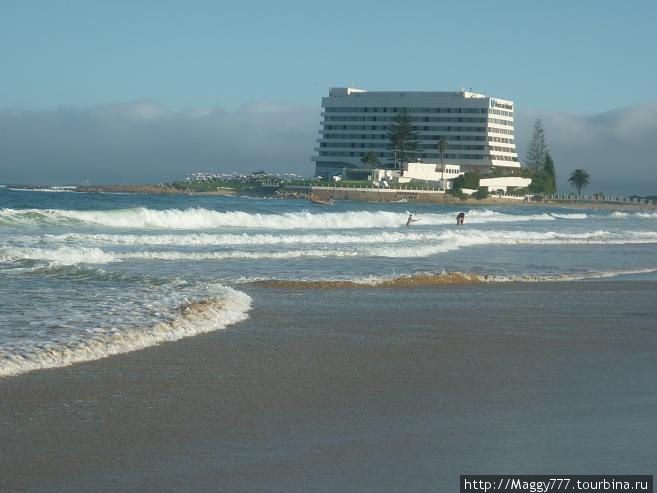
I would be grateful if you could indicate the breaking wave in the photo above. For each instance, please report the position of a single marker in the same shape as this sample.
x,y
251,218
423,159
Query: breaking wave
x,y
639,215
205,239
392,245
222,307
257,239
435,279
63,255
198,218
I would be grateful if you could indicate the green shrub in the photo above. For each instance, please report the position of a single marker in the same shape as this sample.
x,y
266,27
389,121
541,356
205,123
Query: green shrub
x,y
467,180
456,192
480,194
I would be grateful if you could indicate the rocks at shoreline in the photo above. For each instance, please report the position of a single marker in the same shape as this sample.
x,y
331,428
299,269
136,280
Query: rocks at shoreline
x,y
287,194
129,189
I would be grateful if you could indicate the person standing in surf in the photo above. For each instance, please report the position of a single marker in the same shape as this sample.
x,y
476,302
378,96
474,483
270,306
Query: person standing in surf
x,y
411,220
459,218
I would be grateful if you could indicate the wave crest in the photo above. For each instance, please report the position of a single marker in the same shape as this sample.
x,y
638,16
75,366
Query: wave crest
x,y
198,218
435,279
380,244
227,306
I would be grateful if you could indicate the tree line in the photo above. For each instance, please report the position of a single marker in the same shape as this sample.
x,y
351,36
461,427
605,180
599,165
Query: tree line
x,y
540,165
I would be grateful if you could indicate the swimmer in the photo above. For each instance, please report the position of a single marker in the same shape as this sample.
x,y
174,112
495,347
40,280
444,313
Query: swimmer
x,y
411,220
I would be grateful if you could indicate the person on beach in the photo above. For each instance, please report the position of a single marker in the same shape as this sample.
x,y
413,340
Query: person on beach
x,y
411,220
459,218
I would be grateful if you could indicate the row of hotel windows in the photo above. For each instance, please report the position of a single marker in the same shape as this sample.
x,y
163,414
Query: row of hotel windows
x,y
407,110
500,112
503,131
424,155
385,127
449,138
412,118
503,140
363,145
497,157
500,122
425,128
503,149
419,110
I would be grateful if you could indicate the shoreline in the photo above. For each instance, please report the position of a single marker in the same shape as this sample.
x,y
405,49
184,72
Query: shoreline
x,y
355,195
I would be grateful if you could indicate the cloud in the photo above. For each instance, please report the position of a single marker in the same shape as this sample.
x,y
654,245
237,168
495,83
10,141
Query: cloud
x,y
617,147
142,142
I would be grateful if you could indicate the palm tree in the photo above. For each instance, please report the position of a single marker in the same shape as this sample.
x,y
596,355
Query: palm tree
x,y
442,148
579,178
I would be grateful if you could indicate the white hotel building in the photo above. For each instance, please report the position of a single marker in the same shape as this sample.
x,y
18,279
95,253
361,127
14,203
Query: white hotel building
x,y
478,128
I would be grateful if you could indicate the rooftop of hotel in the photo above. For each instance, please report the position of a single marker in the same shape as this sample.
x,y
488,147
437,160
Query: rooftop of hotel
x,y
353,91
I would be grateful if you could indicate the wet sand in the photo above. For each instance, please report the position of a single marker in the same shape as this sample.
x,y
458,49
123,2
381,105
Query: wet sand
x,y
379,390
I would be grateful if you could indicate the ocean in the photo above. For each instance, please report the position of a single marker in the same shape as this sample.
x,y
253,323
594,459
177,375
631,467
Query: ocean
x,y
368,356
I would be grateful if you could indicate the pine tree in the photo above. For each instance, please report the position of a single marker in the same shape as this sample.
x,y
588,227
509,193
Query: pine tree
x,y
537,149
403,139
550,186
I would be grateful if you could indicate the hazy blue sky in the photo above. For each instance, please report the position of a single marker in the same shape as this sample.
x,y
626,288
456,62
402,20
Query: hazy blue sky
x,y
121,91
576,56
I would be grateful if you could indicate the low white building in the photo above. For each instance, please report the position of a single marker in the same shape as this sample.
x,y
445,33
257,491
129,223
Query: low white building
x,y
429,172
433,173
504,182
425,172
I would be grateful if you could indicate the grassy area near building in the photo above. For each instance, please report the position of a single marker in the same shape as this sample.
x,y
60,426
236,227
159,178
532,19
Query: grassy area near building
x,y
268,186
214,185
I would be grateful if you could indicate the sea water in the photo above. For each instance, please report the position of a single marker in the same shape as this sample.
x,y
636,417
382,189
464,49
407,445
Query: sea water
x,y
88,275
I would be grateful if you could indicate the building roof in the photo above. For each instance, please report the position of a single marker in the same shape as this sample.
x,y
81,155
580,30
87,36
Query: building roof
x,y
352,91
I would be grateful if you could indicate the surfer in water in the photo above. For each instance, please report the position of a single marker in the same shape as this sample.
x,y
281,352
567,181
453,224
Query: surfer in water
x,y
411,220
459,218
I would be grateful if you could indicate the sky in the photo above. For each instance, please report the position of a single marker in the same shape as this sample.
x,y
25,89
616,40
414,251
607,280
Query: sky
x,y
148,91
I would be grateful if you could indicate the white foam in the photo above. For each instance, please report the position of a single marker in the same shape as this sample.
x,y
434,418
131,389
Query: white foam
x,y
395,245
61,255
225,307
209,219
569,277
367,237
569,216
639,215
53,189
486,278
204,239
240,255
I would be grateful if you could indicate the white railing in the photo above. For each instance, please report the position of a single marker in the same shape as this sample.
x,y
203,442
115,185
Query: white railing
x,y
363,188
600,198
557,197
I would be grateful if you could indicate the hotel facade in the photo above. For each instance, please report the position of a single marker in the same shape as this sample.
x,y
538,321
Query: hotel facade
x,y
478,128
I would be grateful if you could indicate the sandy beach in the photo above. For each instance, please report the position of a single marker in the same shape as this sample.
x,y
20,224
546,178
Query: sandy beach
x,y
352,390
